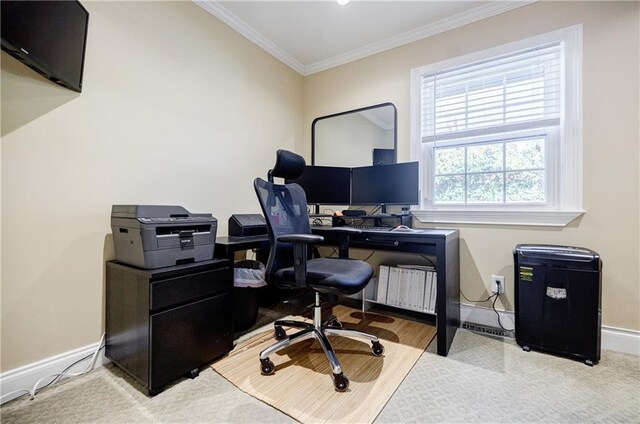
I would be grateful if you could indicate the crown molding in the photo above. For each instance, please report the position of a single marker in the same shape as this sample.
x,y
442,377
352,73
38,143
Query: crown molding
x,y
420,33
452,22
247,31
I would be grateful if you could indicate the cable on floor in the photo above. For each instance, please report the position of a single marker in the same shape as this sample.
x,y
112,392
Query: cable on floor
x,y
35,389
496,311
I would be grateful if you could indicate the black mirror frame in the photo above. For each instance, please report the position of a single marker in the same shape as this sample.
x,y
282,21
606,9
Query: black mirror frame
x,y
395,128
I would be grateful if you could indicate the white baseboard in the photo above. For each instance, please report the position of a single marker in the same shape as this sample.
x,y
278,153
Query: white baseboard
x,y
486,316
615,339
621,340
26,376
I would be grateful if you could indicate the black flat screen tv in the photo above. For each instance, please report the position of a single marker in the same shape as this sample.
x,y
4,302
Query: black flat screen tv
x,y
392,184
48,36
325,185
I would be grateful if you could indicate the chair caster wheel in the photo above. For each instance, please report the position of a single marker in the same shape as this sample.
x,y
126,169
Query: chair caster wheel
x,y
526,348
340,382
333,322
280,333
267,367
377,349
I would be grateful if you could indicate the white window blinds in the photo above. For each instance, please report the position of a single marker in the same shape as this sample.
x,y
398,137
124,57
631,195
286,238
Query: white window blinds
x,y
505,93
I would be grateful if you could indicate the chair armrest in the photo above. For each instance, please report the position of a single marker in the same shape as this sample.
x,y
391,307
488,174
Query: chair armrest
x,y
301,243
300,238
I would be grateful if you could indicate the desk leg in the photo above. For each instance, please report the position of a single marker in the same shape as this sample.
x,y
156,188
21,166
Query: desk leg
x,y
343,246
448,301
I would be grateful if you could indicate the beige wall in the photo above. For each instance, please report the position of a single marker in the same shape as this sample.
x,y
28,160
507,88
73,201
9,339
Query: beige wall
x,y
176,109
611,138
179,109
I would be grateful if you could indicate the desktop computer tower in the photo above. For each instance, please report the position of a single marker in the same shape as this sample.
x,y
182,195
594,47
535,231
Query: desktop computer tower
x,y
558,300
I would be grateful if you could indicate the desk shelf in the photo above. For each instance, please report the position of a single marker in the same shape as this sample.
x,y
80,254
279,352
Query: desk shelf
x,y
407,287
365,308
444,245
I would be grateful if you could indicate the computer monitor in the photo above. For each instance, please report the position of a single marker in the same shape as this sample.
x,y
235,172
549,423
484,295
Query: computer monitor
x,y
384,156
392,184
325,185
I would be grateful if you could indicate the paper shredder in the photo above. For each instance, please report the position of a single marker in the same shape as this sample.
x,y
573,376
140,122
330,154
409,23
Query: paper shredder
x,y
558,300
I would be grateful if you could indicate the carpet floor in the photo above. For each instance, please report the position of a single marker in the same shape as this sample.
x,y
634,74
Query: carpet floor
x,y
484,379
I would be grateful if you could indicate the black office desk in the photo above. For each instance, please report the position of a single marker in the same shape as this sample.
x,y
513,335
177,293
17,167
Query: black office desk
x,y
443,244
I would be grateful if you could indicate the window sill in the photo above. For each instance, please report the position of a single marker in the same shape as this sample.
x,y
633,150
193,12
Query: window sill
x,y
497,217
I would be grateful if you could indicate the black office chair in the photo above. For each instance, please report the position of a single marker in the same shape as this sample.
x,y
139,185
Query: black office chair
x,y
285,210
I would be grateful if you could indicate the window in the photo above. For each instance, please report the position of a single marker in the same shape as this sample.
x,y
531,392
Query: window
x,y
497,133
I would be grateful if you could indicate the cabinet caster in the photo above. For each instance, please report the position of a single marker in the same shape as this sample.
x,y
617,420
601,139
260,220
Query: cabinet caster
x,y
340,382
280,333
194,373
377,349
267,367
526,348
589,362
156,391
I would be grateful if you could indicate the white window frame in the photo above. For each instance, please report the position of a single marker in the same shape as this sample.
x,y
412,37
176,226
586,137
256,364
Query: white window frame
x,y
563,152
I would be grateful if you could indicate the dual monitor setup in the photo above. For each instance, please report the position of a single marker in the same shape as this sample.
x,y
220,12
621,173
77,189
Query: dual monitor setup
x,y
390,184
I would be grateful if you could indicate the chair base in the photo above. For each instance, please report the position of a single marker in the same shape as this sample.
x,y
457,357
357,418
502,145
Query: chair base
x,y
319,331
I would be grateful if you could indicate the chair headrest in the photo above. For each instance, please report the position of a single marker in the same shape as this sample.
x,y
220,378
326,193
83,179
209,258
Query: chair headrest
x,y
288,165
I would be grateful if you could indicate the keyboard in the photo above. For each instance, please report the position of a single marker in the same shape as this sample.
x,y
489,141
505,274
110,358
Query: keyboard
x,y
367,227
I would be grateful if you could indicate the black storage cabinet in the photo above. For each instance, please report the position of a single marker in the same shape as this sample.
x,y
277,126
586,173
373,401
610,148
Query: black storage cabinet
x,y
558,300
164,323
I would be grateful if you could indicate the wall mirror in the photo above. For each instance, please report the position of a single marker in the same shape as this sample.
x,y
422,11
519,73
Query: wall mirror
x,y
360,137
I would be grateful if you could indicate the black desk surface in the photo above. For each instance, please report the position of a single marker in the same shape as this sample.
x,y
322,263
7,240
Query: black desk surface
x,y
417,233
226,246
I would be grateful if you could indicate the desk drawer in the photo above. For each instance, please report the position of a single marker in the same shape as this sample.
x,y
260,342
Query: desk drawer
x,y
178,290
188,337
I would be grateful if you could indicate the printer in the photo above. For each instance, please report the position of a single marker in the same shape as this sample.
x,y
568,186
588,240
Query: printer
x,y
152,237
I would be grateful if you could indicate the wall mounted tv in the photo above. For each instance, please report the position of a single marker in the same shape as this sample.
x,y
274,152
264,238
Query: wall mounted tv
x,y
48,36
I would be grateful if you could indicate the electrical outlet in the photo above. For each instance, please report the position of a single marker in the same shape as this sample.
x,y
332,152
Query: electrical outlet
x,y
497,284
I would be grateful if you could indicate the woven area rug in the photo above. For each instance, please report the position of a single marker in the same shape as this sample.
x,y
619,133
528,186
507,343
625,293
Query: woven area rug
x,y
302,386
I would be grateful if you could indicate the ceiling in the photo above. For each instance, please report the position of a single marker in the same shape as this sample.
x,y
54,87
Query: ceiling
x,y
311,36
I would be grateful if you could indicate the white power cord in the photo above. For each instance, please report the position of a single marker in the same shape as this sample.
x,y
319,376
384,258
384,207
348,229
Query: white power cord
x,y
32,392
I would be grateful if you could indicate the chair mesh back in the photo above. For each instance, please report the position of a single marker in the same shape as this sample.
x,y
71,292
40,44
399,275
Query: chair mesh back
x,y
285,209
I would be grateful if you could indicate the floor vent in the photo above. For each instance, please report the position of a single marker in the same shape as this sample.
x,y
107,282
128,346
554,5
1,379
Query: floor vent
x,y
492,331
